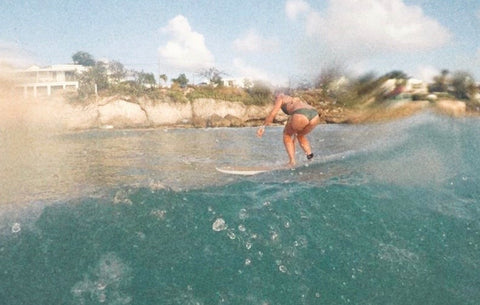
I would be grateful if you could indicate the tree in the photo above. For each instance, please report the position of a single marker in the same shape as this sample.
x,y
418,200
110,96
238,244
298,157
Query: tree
x,y
463,85
213,75
329,78
260,93
396,74
116,71
163,77
83,58
145,79
95,76
366,84
440,82
247,83
181,80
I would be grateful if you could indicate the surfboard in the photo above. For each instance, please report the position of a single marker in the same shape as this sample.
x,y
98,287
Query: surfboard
x,y
245,170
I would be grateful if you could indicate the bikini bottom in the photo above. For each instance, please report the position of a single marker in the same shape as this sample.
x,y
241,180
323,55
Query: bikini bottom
x,y
308,112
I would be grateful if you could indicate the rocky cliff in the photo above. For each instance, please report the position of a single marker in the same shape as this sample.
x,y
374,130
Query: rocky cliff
x,y
126,112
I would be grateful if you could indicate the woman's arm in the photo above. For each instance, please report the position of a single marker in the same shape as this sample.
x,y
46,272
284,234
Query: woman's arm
x,y
271,116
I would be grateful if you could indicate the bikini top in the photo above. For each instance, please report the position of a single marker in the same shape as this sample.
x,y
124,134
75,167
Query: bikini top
x,y
284,108
285,105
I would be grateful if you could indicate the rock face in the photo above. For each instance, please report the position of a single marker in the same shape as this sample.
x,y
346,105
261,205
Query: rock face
x,y
452,108
123,112
167,113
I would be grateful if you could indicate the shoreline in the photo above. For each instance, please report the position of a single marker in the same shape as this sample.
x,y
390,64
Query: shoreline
x,y
120,112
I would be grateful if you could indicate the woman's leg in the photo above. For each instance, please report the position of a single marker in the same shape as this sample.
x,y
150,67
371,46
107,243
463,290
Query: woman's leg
x,y
295,123
301,135
289,142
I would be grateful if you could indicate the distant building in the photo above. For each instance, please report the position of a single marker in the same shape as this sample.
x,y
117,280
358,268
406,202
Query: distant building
x,y
416,86
36,80
237,82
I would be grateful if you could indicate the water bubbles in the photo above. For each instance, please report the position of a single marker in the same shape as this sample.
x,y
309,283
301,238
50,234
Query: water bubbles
x,y
16,228
282,269
101,285
248,245
105,283
241,228
160,214
102,297
231,235
273,236
301,242
219,225
141,235
156,185
243,214
121,197
248,262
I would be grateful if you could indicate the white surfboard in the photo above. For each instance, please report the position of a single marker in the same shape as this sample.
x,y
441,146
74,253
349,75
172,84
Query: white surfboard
x,y
245,170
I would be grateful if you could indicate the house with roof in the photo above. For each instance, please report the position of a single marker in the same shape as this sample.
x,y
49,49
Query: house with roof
x,y
44,81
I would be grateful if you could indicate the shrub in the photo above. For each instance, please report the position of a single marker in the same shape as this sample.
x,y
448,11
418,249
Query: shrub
x,y
260,94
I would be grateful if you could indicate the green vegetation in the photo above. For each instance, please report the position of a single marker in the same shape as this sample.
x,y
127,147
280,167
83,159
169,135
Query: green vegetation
x,y
370,91
332,87
181,80
258,94
83,58
213,75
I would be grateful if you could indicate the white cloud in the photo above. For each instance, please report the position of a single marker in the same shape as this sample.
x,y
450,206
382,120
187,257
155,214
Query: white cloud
x,y
253,42
293,8
186,49
248,71
244,70
375,26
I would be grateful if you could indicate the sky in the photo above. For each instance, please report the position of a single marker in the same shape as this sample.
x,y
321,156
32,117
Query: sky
x,y
281,42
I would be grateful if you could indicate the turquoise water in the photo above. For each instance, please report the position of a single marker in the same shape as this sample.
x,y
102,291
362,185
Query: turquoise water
x,y
386,214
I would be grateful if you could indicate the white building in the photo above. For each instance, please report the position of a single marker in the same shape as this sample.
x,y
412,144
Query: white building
x,y
237,82
36,80
416,86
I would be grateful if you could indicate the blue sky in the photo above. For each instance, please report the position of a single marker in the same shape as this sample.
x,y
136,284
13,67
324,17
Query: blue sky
x,y
277,41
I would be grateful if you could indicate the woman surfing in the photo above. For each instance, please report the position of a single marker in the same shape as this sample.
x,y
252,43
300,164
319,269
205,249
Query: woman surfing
x,y
302,119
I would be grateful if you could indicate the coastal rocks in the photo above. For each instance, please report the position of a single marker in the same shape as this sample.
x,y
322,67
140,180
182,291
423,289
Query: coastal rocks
x,y
204,107
167,113
253,112
217,121
200,113
228,121
121,113
452,108
199,122
84,118
234,121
